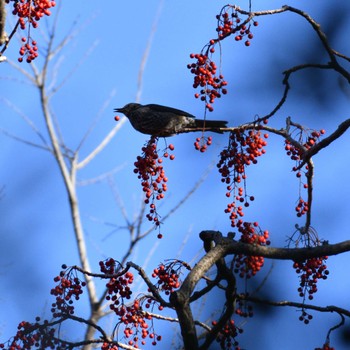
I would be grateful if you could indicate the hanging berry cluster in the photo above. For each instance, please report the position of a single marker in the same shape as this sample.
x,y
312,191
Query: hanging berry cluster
x,y
201,144
132,316
109,346
211,84
168,276
244,147
138,324
137,330
244,308
40,335
248,266
118,289
150,171
306,139
227,336
29,13
230,22
205,76
28,49
310,271
69,288
35,336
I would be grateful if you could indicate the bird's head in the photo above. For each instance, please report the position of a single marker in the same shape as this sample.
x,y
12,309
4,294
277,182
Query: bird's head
x,y
128,108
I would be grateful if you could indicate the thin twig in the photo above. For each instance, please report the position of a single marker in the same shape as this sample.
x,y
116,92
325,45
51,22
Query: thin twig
x,y
95,121
102,145
330,308
101,178
147,51
29,122
29,143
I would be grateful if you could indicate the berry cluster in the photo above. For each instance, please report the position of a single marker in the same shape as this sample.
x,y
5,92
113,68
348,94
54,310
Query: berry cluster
x,y
153,180
109,266
151,303
40,335
205,77
305,317
34,336
302,207
248,266
28,49
168,276
310,271
69,287
118,288
242,151
201,144
230,23
243,308
131,316
30,12
306,140
109,346
136,326
211,85
227,336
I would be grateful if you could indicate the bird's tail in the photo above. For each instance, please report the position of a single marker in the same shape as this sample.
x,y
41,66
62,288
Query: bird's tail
x,y
211,125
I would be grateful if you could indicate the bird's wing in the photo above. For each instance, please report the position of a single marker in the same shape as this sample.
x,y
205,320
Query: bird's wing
x,y
163,109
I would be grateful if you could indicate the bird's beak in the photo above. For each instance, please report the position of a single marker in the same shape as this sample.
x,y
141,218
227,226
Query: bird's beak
x,y
118,110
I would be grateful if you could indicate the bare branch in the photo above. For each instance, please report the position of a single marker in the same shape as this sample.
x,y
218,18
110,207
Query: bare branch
x,y
75,68
69,178
229,246
3,35
323,38
173,319
147,51
342,128
333,64
102,145
20,69
30,123
118,199
181,298
98,117
100,178
29,143
330,308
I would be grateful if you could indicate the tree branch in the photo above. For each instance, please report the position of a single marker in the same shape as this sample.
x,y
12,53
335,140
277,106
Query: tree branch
x,y
342,128
2,23
180,299
230,246
102,145
330,308
69,177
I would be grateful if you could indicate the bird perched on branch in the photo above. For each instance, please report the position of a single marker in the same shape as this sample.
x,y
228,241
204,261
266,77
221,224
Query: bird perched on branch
x,y
157,120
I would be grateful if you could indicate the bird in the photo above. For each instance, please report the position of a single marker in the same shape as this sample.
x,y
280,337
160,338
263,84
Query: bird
x,y
162,121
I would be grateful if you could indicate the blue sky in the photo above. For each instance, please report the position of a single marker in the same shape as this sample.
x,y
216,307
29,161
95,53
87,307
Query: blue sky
x,y
105,54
